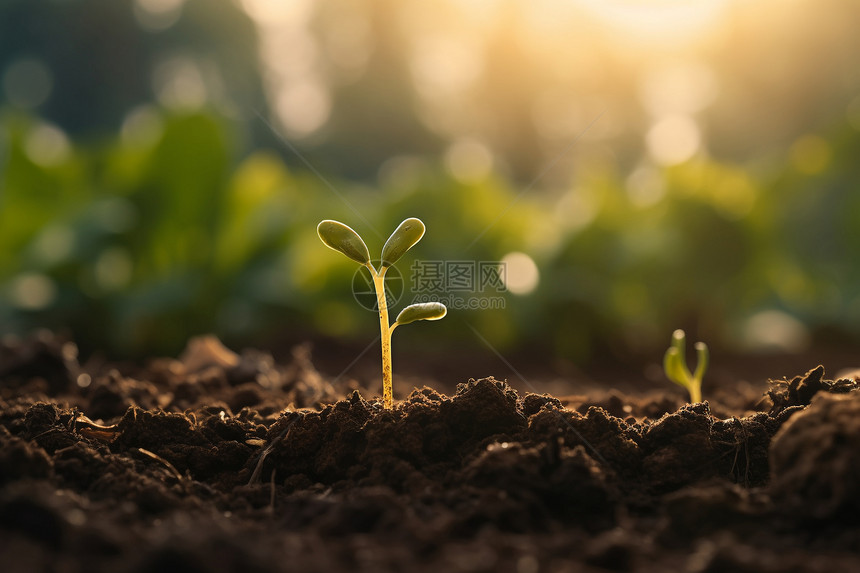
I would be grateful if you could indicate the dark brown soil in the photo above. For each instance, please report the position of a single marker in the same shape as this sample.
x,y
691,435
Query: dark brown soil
x,y
219,462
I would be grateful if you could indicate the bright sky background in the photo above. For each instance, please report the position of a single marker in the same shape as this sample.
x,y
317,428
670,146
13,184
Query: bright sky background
x,y
673,78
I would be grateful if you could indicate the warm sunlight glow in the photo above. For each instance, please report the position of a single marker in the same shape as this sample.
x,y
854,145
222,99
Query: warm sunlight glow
x,y
509,86
273,13
662,21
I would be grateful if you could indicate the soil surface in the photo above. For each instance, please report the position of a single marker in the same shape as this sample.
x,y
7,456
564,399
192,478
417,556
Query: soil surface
x,y
230,462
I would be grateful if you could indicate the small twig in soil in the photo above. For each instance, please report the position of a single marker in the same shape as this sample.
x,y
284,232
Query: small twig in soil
x,y
256,475
745,443
737,444
45,433
82,425
164,462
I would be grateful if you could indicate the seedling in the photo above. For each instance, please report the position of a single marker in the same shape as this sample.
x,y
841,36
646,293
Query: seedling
x,y
675,365
341,238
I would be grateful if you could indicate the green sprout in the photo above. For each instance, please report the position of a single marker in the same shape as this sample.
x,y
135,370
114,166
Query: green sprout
x,y
675,365
341,238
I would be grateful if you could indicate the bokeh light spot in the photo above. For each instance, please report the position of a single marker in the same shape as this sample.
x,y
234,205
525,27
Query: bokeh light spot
x,y
678,88
113,269
33,291
47,146
576,209
179,84
116,214
674,139
520,272
349,41
659,21
142,126
157,15
645,186
771,330
469,160
274,12
54,244
445,65
27,83
303,107
84,380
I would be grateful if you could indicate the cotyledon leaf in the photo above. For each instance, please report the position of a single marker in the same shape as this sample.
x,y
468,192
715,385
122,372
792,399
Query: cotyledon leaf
x,y
401,240
422,311
342,238
702,365
673,368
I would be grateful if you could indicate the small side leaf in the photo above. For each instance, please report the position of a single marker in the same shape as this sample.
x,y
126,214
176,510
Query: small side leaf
x,y
401,240
422,311
679,341
341,238
672,367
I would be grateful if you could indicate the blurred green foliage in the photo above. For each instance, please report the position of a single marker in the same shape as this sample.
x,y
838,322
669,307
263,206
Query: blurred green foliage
x,y
137,242
163,164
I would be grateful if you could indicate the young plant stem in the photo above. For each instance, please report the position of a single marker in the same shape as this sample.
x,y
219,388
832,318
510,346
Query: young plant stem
x,y
385,334
695,393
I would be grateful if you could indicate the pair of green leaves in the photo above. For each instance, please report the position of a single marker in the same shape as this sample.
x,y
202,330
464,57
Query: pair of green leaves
x,y
342,238
675,365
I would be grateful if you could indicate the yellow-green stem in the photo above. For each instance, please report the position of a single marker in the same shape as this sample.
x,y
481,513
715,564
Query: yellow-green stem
x,y
385,335
695,392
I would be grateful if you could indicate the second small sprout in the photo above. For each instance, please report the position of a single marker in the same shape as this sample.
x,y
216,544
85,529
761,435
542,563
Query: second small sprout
x,y
675,365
